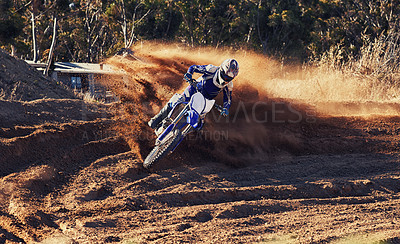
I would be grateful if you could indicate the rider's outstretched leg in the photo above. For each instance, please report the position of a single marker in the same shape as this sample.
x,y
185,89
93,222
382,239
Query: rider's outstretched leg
x,y
155,122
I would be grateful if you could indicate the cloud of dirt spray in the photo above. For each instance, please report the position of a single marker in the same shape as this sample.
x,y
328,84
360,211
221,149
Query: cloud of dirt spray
x,y
264,115
155,74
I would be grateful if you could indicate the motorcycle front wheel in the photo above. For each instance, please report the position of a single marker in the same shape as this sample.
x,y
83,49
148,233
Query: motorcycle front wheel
x,y
163,148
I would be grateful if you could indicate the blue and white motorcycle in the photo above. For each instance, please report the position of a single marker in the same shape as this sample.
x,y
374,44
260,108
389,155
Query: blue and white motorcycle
x,y
185,117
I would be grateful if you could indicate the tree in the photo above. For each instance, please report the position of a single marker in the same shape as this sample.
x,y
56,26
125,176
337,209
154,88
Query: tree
x,y
287,29
127,14
10,24
57,7
162,22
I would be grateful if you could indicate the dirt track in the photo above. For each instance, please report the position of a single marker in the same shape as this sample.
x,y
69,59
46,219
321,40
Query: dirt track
x,y
70,180
277,171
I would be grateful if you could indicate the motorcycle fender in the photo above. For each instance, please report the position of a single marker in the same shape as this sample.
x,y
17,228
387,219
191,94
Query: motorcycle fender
x,y
192,118
209,106
200,104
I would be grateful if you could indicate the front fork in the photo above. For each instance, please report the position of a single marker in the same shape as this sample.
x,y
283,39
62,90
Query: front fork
x,y
173,124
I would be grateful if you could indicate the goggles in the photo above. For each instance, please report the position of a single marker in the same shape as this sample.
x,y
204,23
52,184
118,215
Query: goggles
x,y
226,77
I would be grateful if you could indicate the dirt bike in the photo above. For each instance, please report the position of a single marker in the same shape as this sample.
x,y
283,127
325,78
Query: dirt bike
x,y
185,117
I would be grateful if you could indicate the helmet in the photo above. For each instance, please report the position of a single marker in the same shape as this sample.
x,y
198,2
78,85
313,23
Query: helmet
x,y
228,70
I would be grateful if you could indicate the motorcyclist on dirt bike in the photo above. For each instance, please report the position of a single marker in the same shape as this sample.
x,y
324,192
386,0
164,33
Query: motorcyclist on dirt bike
x,y
210,84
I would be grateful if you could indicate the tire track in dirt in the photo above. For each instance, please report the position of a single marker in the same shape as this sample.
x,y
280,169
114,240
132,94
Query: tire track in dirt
x,y
110,196
43,144
162,215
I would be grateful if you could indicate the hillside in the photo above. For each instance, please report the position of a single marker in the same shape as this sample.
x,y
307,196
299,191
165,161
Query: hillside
x,y
19,81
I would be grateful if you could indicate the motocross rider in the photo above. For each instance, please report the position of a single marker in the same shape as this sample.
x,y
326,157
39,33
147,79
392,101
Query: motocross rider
x,y
214,80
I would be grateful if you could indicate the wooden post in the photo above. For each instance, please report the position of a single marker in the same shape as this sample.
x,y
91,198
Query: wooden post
x,y
35,56
53,44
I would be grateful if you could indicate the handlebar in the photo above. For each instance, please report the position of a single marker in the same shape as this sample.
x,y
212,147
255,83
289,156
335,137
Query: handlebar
x,y
218,107
192,82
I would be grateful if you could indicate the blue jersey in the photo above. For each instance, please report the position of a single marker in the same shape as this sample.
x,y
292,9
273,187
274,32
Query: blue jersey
x,y
209,85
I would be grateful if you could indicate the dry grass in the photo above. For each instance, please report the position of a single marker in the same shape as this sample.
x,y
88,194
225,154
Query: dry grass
x,y
373,74
371,77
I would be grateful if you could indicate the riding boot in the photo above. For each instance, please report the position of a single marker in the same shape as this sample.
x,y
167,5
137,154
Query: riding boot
x,y
155,122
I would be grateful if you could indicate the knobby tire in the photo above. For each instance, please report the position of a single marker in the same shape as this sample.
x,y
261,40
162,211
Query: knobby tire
x,y
163,149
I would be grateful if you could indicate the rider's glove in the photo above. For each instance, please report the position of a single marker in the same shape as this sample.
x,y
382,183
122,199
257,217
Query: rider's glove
x,y
224,112
188,76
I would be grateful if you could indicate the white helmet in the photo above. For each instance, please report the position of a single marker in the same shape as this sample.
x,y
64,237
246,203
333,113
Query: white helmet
x,y
228,70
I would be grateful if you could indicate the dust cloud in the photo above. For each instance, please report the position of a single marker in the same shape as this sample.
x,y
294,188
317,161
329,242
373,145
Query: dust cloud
x,y
270,101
